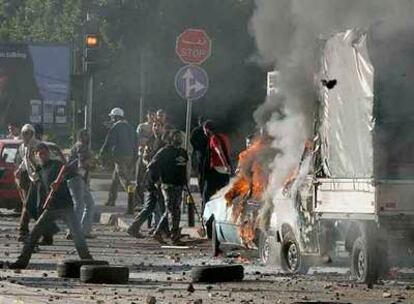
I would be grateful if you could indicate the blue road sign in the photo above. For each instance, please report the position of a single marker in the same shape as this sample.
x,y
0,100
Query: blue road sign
x,y
191,82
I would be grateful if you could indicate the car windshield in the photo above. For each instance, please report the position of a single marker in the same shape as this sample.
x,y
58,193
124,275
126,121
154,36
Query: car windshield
x,y
8,155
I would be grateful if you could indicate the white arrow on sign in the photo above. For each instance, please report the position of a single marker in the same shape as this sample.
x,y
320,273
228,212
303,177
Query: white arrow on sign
x,y
196,86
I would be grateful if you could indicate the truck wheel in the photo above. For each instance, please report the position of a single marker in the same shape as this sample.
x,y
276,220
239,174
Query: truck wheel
x,y
215,244
363,266
269,250
292,259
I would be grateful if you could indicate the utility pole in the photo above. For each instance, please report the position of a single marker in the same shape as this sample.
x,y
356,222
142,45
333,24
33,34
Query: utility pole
x,y
90,62
190,204
90,105
142,84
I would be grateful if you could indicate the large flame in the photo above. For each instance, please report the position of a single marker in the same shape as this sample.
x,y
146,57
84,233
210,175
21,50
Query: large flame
x,y
249,185
251,179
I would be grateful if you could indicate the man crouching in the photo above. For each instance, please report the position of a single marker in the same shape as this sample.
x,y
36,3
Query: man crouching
x,y
60,207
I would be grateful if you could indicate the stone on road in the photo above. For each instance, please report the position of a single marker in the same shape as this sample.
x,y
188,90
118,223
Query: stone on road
x,y
164,274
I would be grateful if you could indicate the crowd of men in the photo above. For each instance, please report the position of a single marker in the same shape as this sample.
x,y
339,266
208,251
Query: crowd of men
x,y
53,189
157,152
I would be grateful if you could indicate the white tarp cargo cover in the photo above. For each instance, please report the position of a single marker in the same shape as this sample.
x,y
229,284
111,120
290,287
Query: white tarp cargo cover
x,y
346,114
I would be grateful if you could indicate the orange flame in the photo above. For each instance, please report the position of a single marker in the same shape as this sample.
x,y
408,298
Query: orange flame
x,y
250,183
251,179
247,234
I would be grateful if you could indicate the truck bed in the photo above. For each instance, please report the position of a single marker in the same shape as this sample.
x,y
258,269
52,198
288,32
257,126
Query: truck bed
x,y
345,198
364,198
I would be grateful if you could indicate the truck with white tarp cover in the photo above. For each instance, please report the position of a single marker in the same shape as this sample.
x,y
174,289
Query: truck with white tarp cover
x,y
355,186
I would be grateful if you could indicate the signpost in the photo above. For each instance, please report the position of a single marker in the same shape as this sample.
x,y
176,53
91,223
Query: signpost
x,y
191,83
193,47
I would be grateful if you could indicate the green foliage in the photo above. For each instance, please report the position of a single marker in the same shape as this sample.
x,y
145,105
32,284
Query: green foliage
x,y
40,20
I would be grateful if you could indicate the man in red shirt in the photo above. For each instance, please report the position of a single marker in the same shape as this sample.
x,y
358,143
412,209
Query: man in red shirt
x,y
217,169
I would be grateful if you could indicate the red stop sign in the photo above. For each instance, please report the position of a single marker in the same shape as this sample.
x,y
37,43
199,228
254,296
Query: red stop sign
x,y
193,46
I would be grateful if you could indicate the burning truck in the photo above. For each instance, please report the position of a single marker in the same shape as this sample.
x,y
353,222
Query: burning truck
x,y
354,184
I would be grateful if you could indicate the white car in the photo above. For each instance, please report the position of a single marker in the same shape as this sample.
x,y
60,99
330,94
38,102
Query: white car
x,y
222,228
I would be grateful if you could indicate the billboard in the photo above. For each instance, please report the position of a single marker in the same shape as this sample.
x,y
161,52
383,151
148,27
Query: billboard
x,y
34,83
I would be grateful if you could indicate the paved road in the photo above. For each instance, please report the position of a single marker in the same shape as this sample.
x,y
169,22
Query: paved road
x,y
165,274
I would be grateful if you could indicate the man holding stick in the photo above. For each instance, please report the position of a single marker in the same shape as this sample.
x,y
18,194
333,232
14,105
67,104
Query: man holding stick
x,y
57,203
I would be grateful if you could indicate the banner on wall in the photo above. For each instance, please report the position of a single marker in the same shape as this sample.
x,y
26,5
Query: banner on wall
x,y
34,83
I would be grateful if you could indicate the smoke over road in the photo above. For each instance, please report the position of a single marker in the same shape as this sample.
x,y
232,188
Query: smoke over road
x,y
286,34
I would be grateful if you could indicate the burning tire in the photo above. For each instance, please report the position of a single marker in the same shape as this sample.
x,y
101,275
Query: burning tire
x,y
269,249
71,268
215,243
217,273
292,260
104,274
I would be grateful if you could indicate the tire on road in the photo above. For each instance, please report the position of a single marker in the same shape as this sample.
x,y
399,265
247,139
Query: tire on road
x,y
292,260
71,268
104,274
217,273
215,243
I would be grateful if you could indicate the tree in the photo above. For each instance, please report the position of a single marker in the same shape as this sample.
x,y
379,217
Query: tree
x,y
40,20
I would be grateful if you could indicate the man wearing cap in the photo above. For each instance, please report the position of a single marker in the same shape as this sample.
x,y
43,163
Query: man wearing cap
x,y
60,207
120,144
26,178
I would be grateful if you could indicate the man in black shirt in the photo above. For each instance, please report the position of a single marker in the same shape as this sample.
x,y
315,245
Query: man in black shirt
x,y
152,195
61,206
199,141
169,166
